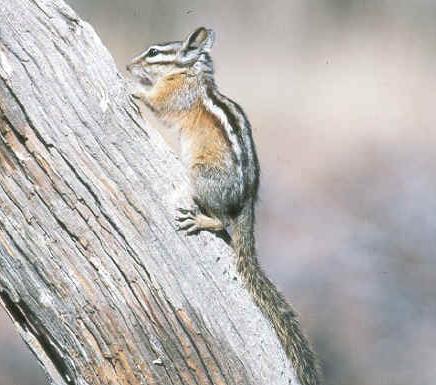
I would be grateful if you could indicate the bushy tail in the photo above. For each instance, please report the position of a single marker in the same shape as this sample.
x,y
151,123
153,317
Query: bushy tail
x,y
271,301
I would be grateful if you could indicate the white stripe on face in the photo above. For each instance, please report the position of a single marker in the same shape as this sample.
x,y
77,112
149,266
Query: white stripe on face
x,y
175,46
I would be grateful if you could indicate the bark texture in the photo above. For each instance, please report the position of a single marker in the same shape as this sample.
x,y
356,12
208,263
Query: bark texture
x,y
92,272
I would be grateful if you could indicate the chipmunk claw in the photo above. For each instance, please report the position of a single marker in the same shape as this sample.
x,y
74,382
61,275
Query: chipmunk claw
x,y
184,214
193,221
186,211
187,220
187,224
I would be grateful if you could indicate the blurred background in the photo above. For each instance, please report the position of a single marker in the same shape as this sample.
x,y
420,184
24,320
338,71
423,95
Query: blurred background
x,y
341,95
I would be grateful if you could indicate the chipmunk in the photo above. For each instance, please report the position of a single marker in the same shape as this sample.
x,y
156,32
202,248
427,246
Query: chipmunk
x,y
177,83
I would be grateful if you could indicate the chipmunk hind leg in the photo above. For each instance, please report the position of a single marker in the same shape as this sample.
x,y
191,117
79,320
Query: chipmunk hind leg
x,y
193,221
213,195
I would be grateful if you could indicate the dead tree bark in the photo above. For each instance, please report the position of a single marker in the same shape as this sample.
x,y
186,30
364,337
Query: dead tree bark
x,y
98,282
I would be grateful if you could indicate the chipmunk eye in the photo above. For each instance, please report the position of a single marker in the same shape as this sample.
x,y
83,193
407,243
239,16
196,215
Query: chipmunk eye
x,y
152,52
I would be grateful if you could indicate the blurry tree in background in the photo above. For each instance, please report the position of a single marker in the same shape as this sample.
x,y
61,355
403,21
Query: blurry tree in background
x,y
341,97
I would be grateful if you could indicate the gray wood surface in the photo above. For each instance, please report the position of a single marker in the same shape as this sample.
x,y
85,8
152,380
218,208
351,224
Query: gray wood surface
x,y
98,282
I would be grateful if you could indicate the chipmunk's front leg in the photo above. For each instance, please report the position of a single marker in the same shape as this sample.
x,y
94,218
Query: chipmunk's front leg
x,y
193,221
145,96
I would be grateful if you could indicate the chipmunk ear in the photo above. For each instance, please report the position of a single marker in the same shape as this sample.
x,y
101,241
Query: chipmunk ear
x,y
201,39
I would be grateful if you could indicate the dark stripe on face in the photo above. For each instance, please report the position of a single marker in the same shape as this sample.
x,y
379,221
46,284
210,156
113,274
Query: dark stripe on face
x,y
171,51
160,62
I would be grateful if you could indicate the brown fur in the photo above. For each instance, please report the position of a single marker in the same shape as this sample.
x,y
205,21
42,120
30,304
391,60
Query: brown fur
x,y
167,87
208,144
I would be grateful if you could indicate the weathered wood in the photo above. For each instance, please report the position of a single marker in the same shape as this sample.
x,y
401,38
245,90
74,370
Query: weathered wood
x,y
93,273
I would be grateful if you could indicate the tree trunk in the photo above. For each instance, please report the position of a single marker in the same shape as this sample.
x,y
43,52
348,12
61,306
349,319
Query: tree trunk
x,y
98,282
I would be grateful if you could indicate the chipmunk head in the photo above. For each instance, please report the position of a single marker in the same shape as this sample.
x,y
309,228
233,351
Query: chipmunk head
x,y
190,56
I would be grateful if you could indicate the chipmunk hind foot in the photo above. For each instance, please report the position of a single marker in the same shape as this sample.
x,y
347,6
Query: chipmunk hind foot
x,y
193,221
